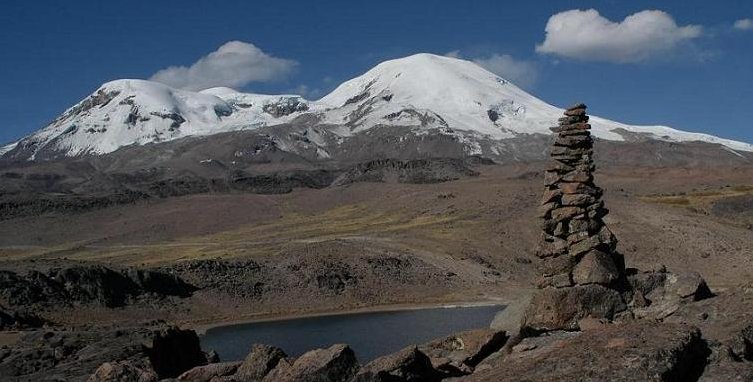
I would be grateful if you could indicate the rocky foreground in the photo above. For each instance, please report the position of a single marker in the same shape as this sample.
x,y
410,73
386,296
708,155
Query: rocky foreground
x,y
590,318
708,340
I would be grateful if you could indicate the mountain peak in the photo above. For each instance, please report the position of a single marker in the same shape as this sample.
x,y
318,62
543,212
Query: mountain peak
x,y
420,94
464,95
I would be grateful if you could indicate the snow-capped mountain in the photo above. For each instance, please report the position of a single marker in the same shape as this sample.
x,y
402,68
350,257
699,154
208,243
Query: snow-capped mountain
x,y
126,112
436,91
421,94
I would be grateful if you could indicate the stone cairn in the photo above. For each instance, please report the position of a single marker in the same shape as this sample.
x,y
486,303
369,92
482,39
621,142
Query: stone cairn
x,y
579,267
576,246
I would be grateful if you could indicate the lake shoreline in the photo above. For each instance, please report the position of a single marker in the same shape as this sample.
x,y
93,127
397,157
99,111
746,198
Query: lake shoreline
x,y
201,329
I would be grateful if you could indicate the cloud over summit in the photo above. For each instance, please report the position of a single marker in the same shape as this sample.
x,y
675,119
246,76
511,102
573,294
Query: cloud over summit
x,y
520,72
588,36
234,64
744,24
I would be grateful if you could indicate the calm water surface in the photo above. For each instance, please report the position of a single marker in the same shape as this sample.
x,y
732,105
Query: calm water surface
x,y
369,334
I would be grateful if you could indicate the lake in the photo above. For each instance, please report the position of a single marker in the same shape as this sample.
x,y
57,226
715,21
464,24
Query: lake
x,y
370,335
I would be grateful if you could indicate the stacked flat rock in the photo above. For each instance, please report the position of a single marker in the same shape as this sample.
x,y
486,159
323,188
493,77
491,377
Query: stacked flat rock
x,y
576,247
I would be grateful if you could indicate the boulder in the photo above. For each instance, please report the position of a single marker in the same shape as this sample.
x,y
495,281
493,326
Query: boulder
x,y
658,295
724,366
259,362
209,372
459,353
742,344
510,318
640,351
174,351
124,371
562,308
595,267
407,365
334,364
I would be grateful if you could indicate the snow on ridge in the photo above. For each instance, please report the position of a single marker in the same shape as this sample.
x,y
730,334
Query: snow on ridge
x,y
131,111
420,92
464,95
8,147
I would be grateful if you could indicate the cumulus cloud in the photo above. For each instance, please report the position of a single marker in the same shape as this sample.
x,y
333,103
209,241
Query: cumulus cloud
x,y
520,72
586,35
234,64
744,24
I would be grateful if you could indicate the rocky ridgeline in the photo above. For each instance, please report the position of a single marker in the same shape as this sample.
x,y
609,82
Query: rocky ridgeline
x,y
87,284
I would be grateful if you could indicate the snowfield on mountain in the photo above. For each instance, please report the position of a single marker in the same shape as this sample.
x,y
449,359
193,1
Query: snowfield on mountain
x,y
422,93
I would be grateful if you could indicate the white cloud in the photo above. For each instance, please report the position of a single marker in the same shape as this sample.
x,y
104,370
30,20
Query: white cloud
x,y
453,54
520,72
588,36
306,92
234,64
744,24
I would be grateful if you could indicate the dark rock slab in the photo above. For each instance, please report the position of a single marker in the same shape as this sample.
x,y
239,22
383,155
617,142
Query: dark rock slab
x,y
101,353
124,371
561,308
90,284
595,267
459,353
407,365
660,294
174,350
641,351
210,372
259,362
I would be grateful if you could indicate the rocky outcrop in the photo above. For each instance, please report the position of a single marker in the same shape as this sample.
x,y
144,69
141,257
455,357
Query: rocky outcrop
x,y
211,372
563,308
334,364
724,365
458,354
141,353
407,365
641,351
173,351
10,319
93,284
260,361
125,371
658,294
285,106
410,171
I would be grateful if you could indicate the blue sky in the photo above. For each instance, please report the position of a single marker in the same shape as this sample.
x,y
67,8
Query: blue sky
x,y
697,76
